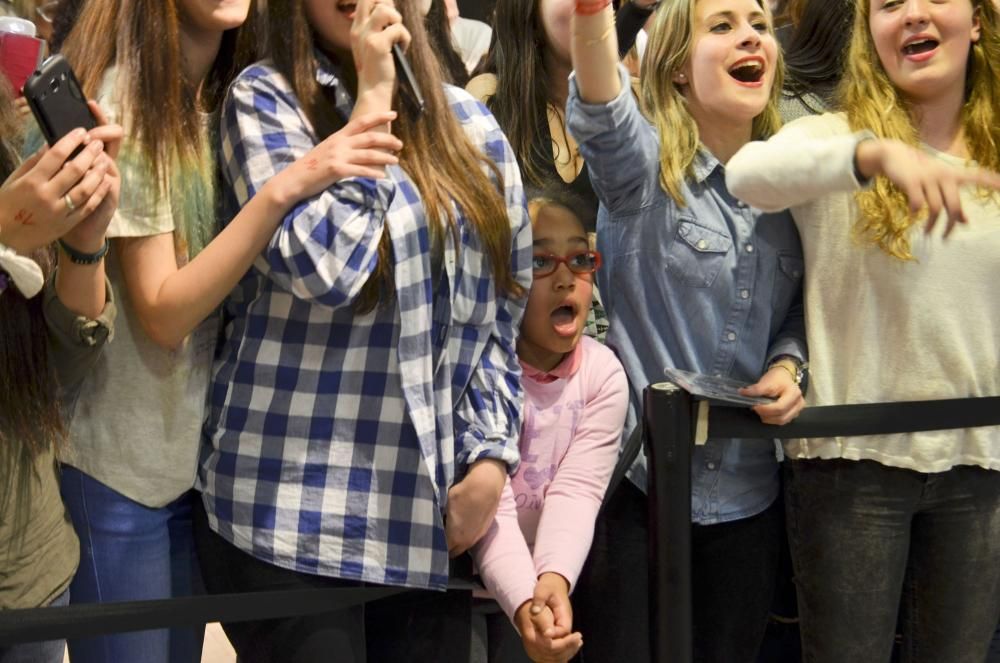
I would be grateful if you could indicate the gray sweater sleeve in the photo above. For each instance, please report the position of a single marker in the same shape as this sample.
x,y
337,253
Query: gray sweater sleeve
x,y
75,342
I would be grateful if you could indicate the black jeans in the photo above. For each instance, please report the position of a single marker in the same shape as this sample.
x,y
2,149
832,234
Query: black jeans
x,y
868,539
494,638
415,626
734,567
994,656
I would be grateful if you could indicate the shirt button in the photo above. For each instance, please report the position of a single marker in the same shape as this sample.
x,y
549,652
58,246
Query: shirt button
x,y
744,294
702,244
711,466
749,248
731,336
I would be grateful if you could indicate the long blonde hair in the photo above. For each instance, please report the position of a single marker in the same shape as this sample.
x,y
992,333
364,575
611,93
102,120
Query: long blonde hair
x,y
873,102
668,49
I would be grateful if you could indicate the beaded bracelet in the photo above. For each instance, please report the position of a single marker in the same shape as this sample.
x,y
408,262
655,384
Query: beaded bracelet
x,y
80,258
585,8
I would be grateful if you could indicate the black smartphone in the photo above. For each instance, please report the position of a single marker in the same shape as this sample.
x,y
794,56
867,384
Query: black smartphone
x,y
57,101
410,90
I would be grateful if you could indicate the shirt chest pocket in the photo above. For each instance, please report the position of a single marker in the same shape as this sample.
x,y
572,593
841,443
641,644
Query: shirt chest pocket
x,y
697,254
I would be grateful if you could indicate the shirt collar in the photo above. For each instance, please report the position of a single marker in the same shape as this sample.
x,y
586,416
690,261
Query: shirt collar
x,y
563,370
704,165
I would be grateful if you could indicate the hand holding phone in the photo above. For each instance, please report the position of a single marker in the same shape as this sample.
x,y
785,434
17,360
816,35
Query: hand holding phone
x,y
57,100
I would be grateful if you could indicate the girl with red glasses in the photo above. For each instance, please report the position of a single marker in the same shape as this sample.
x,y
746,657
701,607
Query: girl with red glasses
x,y
575,397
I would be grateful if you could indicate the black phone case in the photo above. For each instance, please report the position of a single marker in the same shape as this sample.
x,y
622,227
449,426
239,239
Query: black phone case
x,y
408,82
57,101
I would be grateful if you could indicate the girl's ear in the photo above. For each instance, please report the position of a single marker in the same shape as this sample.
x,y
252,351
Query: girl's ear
x,y
977,30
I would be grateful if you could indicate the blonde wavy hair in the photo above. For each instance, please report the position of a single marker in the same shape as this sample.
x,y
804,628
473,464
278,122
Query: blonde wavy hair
x,y
872,102
668,49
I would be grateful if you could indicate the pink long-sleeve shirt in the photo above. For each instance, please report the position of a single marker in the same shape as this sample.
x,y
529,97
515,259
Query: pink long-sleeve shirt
x,y
573,420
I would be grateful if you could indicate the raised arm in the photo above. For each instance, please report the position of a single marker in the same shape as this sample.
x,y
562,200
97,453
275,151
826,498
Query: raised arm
x,y
595,51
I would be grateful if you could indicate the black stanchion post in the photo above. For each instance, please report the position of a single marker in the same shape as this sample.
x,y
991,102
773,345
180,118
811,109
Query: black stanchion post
x,y
669,430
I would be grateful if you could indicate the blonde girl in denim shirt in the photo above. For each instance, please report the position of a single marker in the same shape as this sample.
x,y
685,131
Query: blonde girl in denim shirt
x,y
694,280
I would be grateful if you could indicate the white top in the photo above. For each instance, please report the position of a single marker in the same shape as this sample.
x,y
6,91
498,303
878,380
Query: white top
x,y
137,425
471,39
881,329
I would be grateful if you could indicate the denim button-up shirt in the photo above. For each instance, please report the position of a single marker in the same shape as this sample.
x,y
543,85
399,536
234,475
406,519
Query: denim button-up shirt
x,y
713,287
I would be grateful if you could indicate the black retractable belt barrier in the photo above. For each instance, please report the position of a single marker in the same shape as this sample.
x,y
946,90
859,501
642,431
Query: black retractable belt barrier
x,y
671,421
868,419
668,413
77,621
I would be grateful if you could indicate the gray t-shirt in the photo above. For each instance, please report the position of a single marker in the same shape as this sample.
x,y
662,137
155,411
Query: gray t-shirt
x,y
137,425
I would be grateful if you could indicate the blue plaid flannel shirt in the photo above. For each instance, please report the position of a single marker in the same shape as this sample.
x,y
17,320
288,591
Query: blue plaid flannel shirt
x,y
332,438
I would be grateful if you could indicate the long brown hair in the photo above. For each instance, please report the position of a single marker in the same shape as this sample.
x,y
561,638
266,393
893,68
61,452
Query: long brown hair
x,y
873,102
444,164
142,38
30,420
516,58
439,35
671,39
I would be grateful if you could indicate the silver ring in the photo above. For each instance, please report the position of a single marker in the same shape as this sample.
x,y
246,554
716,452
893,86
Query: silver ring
x,y
69,203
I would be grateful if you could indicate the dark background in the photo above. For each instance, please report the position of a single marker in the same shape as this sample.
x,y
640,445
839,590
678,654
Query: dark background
x,y
477,9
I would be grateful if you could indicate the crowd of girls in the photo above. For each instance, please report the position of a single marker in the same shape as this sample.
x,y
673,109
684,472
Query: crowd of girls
x,y
354,340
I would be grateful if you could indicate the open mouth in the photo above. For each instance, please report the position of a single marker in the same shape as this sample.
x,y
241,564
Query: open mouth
x,y
748,71
564,319
919,46
347,8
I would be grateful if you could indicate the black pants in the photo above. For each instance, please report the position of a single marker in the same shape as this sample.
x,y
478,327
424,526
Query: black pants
x,y
865,535
415,626
734,566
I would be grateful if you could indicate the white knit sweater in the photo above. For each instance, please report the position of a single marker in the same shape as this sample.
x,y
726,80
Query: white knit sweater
x,y
882,329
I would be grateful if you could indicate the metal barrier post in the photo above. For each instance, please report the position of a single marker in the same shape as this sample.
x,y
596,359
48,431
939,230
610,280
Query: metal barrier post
x,y
669,429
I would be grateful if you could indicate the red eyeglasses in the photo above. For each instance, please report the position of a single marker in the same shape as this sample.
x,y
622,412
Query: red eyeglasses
x,y
584,262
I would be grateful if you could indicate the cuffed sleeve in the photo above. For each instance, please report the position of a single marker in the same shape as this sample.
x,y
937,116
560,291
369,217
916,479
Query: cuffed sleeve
x,y
488,414
75,342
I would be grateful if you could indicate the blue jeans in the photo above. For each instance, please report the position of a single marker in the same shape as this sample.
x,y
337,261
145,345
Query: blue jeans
x,y
50,651
868,539
130,552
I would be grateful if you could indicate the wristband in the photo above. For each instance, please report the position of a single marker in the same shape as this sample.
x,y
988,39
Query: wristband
x,y
861,137
80,258
778,364
798,374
